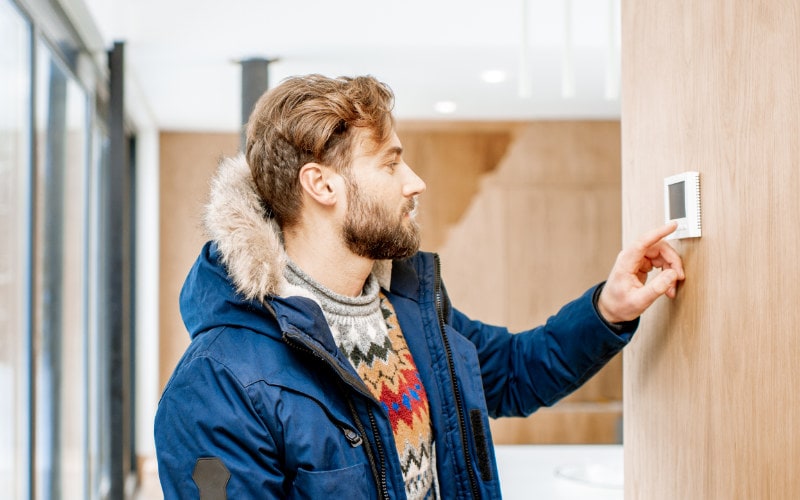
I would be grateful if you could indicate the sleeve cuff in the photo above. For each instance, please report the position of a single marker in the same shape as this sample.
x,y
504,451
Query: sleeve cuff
x,y
618,328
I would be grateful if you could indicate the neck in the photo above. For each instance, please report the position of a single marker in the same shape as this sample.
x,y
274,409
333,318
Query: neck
x,y
324,257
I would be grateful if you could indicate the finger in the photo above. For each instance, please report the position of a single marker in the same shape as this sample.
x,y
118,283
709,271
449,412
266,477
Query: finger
x,y
672,288
664,256
630,257
663,283
653,236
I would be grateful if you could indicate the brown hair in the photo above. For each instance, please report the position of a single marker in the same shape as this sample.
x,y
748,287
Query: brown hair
x,y
311,119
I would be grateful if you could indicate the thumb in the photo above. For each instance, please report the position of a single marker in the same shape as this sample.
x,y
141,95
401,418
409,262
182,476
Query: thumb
x,y
664,283
656,287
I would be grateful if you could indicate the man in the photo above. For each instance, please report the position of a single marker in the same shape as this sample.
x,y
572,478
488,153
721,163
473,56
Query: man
x,y
326,359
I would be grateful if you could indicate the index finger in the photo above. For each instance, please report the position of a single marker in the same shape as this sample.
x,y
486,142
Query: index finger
x,y
661,254
653,236
631,256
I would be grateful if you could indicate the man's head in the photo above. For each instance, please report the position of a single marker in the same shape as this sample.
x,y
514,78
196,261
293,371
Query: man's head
x,y
311,119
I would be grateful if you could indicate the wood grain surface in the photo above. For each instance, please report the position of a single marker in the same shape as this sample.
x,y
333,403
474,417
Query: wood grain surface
x,y
710,397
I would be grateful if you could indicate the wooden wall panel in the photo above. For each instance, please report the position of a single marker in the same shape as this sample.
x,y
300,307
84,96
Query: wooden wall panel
x,y
543,228
711,403
564,423
187,160
452,161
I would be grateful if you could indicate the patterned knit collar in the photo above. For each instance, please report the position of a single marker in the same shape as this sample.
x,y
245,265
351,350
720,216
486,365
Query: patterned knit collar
x,y
334,303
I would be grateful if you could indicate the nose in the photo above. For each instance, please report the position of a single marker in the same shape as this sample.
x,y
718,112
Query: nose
x,y
413,184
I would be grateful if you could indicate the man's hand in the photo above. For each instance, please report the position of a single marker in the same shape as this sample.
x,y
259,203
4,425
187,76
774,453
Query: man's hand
x,y
627,293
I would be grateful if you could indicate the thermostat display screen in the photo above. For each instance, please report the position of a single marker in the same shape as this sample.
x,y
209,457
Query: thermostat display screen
x,y
677,200
682,204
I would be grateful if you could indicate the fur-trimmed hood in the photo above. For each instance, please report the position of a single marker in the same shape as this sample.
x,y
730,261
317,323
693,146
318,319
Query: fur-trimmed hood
x,y
250,244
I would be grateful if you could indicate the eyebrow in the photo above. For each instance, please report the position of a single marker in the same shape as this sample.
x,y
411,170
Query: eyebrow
x,y
393,151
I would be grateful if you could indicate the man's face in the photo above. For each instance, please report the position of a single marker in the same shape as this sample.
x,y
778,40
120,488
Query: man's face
x,y
380,222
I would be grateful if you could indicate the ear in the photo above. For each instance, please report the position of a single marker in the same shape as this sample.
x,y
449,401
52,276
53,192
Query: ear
x,y
319,182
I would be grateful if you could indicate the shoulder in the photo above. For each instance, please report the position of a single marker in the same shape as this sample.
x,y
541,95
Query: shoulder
x,y
241,354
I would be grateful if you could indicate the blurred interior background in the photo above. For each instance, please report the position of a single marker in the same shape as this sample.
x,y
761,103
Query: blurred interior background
x,y
114,113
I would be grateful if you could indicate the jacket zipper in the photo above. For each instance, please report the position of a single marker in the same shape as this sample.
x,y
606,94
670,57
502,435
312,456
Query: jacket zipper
x,y
462,421
380,477
381,454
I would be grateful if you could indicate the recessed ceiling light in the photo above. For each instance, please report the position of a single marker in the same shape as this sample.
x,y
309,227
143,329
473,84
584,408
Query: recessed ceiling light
x,y
445,107
494,76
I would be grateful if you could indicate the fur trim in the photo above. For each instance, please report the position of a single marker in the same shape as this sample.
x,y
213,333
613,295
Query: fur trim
x,y
251,245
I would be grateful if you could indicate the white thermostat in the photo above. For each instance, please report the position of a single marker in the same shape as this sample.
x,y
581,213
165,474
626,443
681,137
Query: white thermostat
x,y
682,204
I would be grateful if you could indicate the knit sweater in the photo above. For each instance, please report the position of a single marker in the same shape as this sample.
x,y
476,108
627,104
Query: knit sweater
x,y
366,330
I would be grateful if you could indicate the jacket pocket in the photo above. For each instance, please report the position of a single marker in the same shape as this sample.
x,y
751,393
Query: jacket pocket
x,y
350,482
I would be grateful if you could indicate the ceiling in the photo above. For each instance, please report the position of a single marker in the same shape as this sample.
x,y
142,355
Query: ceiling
x,y
553,58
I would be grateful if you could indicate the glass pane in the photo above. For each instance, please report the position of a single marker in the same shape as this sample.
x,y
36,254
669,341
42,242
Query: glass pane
x,y
99,405
61,274
15,171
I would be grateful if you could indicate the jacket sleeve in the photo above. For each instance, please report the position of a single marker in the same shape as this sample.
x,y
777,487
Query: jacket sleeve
x,y
524,371
211,439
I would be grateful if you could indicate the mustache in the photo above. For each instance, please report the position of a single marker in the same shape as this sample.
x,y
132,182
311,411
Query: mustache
x,y
411,207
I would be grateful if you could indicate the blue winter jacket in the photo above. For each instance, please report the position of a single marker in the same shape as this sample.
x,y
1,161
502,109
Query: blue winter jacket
x,y
264,405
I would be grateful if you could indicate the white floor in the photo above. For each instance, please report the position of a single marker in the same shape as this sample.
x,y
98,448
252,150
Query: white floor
x,y
561,472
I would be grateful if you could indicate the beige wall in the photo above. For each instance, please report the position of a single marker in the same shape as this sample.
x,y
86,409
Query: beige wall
x,y
541,230
530,210
188,160
711,400
451,158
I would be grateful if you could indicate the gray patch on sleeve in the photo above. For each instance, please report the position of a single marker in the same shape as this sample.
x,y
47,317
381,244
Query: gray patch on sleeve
x,y
211,477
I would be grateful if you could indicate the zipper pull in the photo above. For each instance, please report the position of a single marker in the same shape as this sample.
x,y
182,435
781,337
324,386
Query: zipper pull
x,y
352,437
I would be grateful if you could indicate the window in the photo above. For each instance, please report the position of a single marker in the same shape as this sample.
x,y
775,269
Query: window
x,y
61,284
58,433
15,168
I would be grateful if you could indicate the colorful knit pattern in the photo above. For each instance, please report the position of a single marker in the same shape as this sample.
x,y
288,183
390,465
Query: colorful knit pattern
x,y
391,375
366,330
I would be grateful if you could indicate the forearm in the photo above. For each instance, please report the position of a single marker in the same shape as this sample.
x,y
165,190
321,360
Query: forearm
x,y
524,371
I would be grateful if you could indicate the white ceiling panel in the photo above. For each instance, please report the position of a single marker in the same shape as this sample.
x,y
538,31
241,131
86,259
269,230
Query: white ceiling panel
x,y
183,53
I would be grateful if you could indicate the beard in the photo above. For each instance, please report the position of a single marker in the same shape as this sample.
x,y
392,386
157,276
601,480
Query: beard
x,y
375,231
